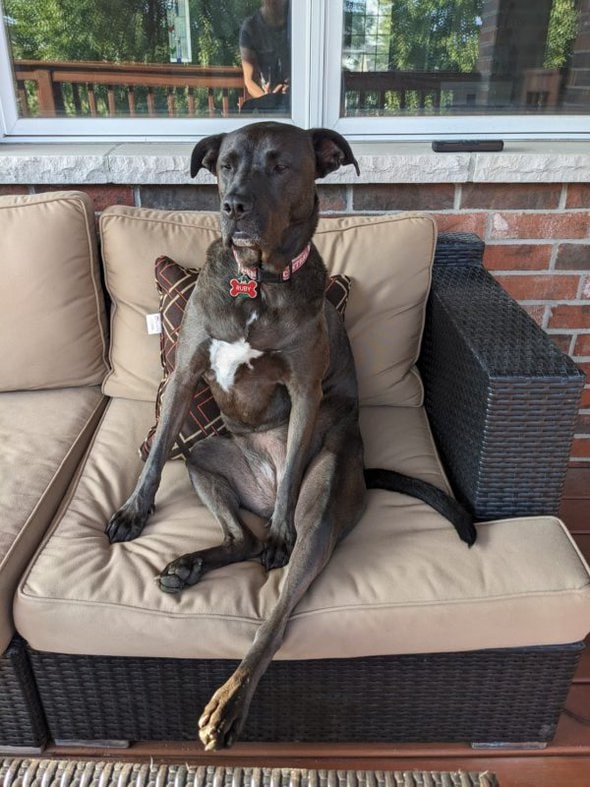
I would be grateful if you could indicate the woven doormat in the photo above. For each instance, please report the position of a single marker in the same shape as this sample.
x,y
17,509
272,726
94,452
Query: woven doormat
x,y
88,773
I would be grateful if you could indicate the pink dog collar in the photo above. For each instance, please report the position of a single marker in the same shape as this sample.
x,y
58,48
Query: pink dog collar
x,y
261,276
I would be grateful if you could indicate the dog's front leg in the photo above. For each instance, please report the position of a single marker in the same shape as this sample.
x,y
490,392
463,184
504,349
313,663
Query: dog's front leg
x,y
305,390
128,522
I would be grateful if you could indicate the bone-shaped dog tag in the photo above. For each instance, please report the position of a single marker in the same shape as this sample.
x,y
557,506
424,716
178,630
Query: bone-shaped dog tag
x,y
243,288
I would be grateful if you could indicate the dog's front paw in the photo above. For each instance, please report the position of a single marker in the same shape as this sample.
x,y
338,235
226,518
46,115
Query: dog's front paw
x,y
181,573
223,718
127,523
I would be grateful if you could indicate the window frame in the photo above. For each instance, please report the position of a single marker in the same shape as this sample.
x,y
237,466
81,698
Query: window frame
x,y
419,128
316,55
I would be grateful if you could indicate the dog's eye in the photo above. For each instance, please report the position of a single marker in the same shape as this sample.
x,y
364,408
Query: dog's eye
x,y
278,169
225,165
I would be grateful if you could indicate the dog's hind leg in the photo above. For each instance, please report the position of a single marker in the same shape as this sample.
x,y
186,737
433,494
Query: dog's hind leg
x,y
330,503
218,471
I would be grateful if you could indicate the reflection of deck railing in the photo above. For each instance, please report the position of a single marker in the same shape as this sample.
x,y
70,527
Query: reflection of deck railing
x,y
422,88
94,89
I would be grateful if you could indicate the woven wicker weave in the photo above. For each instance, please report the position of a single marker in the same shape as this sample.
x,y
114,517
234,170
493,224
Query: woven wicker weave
x,y
22,722
485,696
502,399
73,773
459,248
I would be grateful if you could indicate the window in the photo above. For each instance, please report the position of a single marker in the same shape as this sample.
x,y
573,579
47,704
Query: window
x,y
369,68
145,66
469,66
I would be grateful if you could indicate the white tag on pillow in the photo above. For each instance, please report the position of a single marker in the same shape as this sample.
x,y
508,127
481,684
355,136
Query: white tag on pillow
x,y
154,323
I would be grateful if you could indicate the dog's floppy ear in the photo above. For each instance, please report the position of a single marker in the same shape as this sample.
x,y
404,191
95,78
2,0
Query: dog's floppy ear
x,y
332,151
205,154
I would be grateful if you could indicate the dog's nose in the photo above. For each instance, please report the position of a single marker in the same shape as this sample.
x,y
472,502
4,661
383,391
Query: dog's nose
x,y
236,206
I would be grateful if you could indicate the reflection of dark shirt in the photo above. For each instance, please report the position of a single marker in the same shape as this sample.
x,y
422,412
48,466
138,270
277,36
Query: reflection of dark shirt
x,y
271,46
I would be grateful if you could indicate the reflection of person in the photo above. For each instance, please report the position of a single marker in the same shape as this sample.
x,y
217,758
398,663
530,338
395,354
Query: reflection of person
x,y
265,50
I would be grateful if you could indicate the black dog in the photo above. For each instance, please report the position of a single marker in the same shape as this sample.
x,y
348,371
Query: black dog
x,y
280,367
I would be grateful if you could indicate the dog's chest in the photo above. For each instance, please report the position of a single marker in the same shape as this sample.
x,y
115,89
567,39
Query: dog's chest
x,y
225,358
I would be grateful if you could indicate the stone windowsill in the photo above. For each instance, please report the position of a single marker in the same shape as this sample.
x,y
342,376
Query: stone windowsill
x,y
388,162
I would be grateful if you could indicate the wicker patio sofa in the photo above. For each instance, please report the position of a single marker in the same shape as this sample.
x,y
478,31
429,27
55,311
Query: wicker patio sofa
x,y
87,659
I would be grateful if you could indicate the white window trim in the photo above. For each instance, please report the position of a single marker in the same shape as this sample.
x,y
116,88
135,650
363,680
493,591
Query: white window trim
x,y
317,37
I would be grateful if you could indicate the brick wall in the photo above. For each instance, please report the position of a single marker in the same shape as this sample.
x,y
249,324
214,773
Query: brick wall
x,y
537,243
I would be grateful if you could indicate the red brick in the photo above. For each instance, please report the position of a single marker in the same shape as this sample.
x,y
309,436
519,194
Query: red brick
x,y
101,195
523,196
582,345
581,448
583,424
9,191
540,225
536,312
570,316
540,287
573,256
562,340
462,222
578,195
585,402
523,256
405,196
332,198
585,367
180,197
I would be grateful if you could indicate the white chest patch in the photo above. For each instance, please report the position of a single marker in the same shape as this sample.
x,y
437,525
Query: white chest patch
x,y
227,357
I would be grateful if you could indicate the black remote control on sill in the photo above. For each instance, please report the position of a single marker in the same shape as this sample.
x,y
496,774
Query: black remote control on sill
x,y
467,145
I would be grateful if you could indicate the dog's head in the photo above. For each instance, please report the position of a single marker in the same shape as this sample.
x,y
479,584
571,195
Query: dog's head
x,y
266,176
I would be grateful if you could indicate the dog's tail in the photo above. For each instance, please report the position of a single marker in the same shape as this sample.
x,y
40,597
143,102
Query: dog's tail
x,y
451,509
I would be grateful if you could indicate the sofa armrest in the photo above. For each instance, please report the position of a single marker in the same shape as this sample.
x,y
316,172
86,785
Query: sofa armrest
x,y
502,399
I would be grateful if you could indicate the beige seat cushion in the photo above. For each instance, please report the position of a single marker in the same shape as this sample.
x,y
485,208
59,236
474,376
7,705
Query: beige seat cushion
x,y
388,257
43,435
52,323
402,582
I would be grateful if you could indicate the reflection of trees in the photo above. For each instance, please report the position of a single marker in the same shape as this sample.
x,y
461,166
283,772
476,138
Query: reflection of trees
x,y
379,35
216,27
119,31
406,35
109,30
435,35
563,23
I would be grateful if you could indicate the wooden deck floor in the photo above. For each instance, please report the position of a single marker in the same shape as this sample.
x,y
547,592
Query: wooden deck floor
x,y
564,763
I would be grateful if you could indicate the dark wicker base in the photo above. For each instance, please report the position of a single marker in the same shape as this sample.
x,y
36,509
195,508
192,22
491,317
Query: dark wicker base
x,y
22,722
486,696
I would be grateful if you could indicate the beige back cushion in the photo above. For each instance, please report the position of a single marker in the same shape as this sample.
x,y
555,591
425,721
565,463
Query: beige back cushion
x,y
52,323
390,260
388,257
